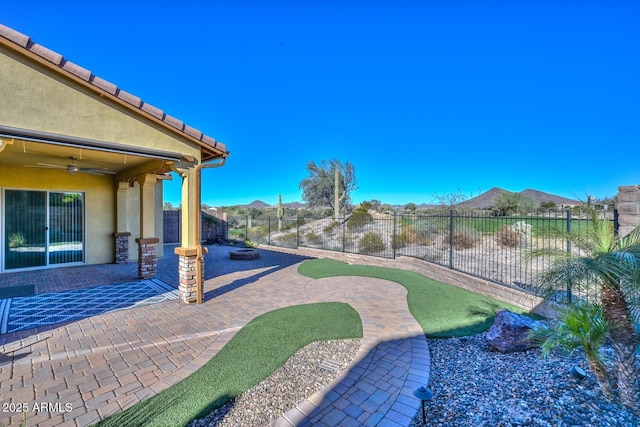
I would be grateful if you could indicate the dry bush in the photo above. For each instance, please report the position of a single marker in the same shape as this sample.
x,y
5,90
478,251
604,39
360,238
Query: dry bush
x,y
462,239
508,237
412,236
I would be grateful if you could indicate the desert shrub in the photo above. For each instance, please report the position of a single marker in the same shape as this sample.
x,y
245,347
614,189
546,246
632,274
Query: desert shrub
x,y
331,227
508,237
412,235
425,229
313,238
402,239
289,240
371,243
258,233
463,238
359,218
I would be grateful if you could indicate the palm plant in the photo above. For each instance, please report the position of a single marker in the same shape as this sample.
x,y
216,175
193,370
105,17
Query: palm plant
x,y
612,263
579,326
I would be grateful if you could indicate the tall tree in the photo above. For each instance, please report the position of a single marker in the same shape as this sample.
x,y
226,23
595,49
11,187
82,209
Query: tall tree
x,y
319,188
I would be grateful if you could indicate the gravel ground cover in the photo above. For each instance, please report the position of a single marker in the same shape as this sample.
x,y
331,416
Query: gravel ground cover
x,y
297,379
475,387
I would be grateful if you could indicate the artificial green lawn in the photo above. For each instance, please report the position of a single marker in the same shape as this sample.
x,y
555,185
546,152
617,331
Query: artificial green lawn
x,y
258,349
441,310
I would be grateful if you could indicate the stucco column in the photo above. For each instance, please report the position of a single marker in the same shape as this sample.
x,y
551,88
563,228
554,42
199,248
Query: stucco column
x,y
147,184
628,208
122,234
147,255
189,240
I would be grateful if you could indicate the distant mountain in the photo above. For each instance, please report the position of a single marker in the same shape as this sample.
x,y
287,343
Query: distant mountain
x,y
484,200
294,205
256,204
487,199
541,196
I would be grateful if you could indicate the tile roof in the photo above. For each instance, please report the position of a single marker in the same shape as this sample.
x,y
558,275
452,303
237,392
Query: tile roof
x,y
65,66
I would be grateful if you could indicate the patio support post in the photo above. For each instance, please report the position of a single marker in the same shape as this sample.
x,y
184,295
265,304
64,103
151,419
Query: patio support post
x,y
147,255
121,235
189,239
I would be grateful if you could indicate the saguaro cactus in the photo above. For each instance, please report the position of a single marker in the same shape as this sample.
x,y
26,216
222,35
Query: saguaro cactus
x,y
279,212
337,195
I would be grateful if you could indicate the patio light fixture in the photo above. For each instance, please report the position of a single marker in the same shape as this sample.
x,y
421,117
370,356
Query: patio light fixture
x,y
424,394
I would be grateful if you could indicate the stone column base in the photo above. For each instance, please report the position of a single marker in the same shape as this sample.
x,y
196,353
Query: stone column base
x,y
147,258
187,273
122,247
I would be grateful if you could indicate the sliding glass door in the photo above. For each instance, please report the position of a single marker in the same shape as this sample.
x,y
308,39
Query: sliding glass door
x,y
42,228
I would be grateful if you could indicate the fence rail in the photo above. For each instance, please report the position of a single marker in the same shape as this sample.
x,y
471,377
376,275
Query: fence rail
x,y
495,248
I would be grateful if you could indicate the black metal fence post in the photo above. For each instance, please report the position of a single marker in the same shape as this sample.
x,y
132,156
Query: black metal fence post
x,y
344,235
451,238
569,290
268,230
395,232
246,228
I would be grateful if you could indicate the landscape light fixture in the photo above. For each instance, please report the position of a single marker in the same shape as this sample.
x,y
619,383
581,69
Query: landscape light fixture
x,y
424,394
577,372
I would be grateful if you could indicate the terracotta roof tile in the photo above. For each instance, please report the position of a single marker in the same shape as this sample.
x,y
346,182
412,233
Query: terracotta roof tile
x,y
14,36
156,112
104,85
47,54
208,140
84,74
192,131
131,99
77,70
170,120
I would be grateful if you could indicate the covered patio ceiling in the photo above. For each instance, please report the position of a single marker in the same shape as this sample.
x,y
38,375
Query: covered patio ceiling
x,y
124,163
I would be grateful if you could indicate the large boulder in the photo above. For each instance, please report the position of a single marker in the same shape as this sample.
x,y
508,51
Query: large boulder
x,y
509,332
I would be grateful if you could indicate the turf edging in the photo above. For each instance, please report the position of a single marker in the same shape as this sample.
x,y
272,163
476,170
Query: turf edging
x,y
258,349
442,310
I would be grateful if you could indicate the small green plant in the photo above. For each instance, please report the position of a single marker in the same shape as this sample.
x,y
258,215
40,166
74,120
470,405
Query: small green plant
x,y
313,238
371,243
251,244
289,240
17,240
331,227
579,326
359,218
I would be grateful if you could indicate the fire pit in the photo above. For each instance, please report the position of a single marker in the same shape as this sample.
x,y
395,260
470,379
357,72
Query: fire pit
x,y
243,254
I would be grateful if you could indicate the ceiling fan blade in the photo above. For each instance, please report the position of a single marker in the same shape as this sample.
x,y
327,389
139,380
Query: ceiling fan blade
x,y
46,165
95,171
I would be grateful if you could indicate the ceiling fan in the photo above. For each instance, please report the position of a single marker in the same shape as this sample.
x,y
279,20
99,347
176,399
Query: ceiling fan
x,y
73,168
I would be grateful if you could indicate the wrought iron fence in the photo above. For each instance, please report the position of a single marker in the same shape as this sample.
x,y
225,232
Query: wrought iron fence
x,y
495,248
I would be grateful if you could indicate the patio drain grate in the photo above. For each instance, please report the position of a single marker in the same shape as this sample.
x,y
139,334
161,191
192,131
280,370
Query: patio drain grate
x,y
329,365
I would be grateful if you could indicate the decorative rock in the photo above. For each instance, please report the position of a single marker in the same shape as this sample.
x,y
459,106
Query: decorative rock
x,y
509,332
524,232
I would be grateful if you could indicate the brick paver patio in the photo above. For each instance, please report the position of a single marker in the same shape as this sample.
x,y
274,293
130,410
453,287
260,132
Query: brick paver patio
x,y
87,370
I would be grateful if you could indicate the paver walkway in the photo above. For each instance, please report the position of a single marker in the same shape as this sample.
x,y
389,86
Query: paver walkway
x,y
87,370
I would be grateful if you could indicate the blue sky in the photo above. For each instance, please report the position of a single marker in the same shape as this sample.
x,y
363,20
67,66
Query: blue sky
x,y
423,97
